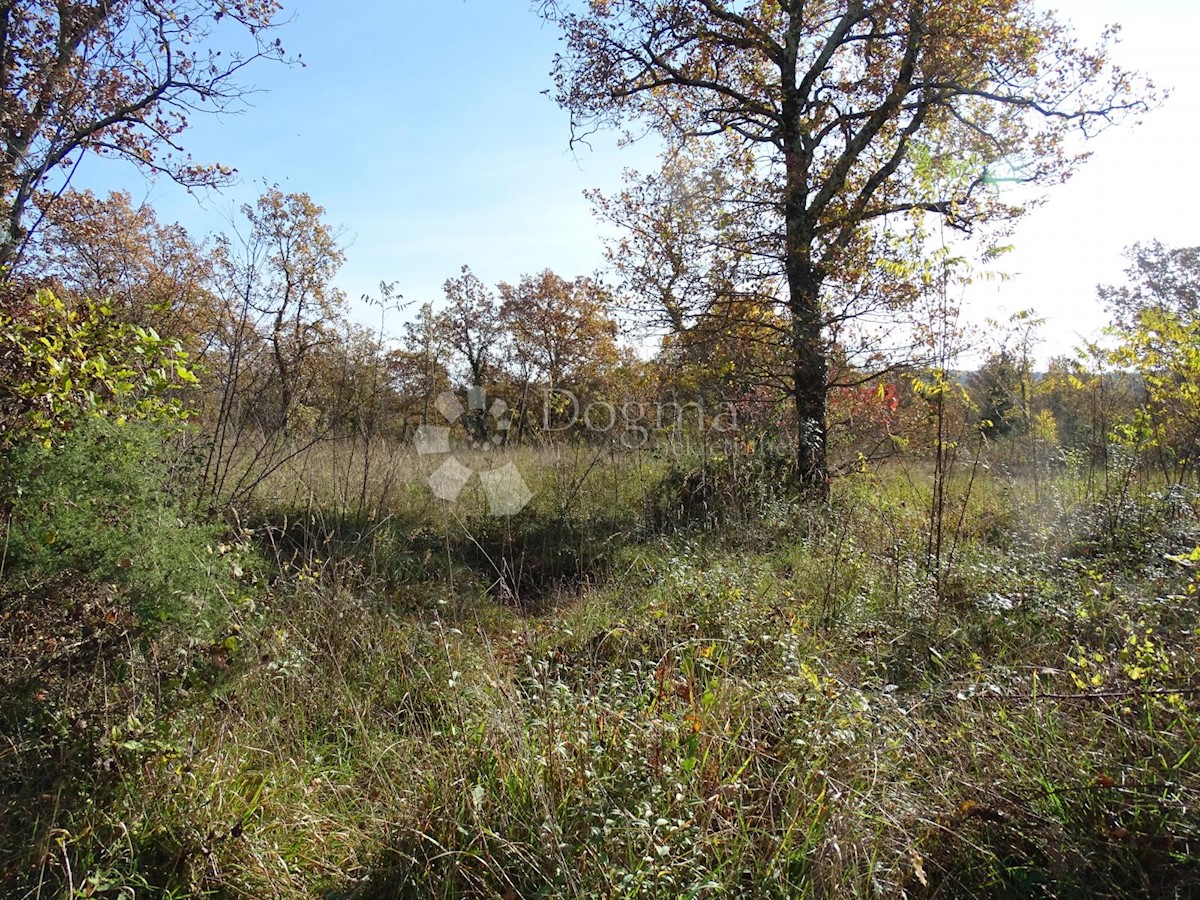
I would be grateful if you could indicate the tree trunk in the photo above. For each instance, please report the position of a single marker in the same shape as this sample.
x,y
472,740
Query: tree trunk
x,y
809,376
477,418
284,368
809,365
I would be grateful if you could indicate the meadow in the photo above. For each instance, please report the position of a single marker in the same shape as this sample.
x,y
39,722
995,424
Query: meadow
x,y
663,678
778,578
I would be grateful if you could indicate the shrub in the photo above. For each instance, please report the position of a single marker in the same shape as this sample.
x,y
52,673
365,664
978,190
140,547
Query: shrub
x,y
58,362
106,504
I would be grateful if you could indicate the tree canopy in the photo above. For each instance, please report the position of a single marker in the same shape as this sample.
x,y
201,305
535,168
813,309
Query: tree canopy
x,y
1161,278
119,78
847,120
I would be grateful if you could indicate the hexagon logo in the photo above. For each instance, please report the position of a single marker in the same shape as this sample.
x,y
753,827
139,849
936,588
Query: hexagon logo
x,y
506,491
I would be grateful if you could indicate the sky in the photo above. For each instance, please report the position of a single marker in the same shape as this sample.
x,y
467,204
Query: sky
x,y
424,130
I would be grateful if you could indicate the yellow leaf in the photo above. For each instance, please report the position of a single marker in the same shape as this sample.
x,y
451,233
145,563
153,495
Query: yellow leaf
x,y
918,867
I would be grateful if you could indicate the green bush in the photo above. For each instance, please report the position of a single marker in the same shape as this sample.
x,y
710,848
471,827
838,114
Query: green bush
x,y
59,362
105,503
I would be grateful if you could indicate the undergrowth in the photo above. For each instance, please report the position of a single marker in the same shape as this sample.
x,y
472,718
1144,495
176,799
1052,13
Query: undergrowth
x,y
586,701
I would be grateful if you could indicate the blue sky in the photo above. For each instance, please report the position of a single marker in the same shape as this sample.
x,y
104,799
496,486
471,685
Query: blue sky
x,y
422,129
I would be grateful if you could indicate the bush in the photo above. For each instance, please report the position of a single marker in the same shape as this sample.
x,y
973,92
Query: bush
x,y
59,362
723,489
106,504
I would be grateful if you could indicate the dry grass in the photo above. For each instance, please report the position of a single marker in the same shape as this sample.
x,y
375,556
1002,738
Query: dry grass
x,y
786,708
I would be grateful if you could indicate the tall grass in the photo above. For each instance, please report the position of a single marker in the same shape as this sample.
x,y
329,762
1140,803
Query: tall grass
x,y
659,680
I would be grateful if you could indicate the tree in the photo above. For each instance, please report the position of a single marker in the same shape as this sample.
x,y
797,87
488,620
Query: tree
x,y
118,78
689,267
279,311
561,329
471,326
996,386
1163,348
731,352
1162,278
154,275
861,116
1004,386
302,255
417,369
678,250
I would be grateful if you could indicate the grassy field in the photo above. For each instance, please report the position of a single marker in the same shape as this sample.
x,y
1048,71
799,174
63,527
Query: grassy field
x,y
661,679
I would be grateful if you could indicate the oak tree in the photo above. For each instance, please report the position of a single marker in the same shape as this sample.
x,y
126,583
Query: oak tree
x,y
301,254
280,318
861,115
470,323
678,248
691,268
120,78
153,274
417,369
562,330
